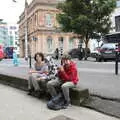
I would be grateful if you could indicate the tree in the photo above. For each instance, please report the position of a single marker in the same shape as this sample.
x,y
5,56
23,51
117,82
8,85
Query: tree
x,y
88,18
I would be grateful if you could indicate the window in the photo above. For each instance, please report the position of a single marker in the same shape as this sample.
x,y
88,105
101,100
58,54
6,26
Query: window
x,y
15,48
49,44
61,42
11,40
48,20
10,32
16,43
118,3
16,33
13,27
117,23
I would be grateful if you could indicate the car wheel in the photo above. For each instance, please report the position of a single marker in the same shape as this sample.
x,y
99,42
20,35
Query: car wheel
x,y
105,60
98,59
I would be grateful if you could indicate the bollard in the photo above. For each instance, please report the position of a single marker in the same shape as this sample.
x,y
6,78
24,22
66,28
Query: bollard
x,y
116,64
30,62
116,59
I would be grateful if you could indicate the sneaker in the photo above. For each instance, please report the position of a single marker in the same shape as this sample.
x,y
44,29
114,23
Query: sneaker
x,y
66,104
38,93
30,91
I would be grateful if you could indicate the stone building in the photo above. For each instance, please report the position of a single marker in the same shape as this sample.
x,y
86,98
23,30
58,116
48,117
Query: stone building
x,y
39,26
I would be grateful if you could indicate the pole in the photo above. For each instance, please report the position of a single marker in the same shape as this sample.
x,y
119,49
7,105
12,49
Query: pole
x,y
26,43
26,32
30,61
116,64
116,59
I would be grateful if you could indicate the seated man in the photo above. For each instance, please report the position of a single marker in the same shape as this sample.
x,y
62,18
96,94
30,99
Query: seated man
x,y
67,78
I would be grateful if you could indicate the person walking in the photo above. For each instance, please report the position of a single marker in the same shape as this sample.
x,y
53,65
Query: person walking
x,y
15,59
57,53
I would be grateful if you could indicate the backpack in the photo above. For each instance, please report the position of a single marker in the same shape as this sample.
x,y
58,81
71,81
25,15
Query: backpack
x,y
56,103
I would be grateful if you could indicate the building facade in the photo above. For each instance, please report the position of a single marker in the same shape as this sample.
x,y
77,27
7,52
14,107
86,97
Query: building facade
x,y
4,34
13,37
9,36
115,18
38,22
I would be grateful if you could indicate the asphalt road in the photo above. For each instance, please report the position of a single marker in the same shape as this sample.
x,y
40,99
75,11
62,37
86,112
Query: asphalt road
x,y
99,77
17,105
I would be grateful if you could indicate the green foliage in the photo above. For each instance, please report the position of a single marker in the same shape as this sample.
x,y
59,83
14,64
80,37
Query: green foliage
x,y
88,18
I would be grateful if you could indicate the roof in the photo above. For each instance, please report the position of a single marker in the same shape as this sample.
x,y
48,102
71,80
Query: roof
x,y
44,2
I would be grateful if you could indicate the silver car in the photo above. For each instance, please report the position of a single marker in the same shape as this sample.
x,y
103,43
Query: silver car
x,y
106,52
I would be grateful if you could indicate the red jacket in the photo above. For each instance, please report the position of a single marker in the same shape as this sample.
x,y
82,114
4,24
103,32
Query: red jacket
x,y
69,74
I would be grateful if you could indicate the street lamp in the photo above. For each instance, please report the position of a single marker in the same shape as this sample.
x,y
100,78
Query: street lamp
x,y
26,30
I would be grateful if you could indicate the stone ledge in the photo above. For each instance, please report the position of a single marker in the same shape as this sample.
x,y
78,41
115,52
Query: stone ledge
x,y
78,95
14,81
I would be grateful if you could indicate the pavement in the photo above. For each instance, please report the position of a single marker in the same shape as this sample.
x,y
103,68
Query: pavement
x,y
16,105
102,83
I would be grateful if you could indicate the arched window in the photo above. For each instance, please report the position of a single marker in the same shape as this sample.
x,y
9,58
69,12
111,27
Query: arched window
x,y
49,44
61,42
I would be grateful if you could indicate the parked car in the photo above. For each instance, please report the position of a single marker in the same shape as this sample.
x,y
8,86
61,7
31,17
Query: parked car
x,y
1,52
95,52
79,53
105,52
8,52
74,53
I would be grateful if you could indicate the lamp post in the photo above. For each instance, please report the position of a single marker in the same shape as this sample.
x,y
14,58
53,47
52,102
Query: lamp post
x,y
29,56
80,57
26,42
26,31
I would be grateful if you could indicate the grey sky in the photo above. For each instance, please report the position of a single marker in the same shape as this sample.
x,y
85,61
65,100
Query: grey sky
x,y
10,11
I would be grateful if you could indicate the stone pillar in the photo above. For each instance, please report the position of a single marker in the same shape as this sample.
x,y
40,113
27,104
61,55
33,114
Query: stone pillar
x,y
76,41
43,43
56,41
66,43
32,48
21,48
39,43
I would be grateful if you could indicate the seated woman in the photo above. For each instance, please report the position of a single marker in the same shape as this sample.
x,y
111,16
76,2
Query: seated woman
x,y
52,73
37,74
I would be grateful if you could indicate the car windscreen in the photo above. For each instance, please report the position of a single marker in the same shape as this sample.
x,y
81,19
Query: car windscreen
x,y
109,46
